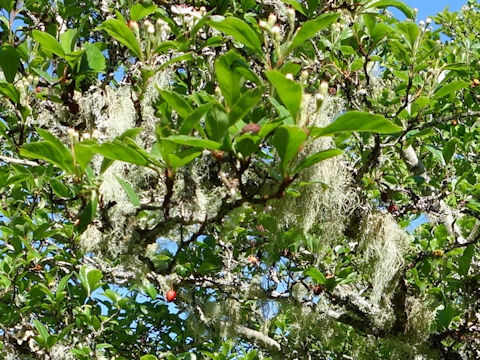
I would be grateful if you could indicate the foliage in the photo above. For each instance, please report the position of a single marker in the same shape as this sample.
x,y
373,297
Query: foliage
x,y
264,159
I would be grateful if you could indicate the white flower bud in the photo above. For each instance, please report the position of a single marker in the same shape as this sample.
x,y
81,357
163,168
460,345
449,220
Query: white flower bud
x,y
289,76
95,134
428,21
304,76
203,10
323,87
30,79
319,98
263,25
70,132
291,15
147,23
151,29
277,33
415,10
422,23
272,20
85,136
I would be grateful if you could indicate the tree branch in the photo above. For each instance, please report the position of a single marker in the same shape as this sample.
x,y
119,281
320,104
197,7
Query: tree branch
x,y
11,160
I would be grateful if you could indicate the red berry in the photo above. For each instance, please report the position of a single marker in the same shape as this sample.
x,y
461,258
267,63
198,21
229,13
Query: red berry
x,y
392,208
171,295
251,128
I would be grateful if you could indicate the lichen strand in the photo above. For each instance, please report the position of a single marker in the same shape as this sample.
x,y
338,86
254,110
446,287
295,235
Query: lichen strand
x,y
322,207
419,319
384,246
110,111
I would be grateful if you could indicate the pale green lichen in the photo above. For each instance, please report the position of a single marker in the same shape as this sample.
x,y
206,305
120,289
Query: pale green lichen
x,y
322,207
384,245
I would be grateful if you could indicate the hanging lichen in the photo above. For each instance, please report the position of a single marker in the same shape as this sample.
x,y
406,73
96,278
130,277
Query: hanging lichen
x,y
384,245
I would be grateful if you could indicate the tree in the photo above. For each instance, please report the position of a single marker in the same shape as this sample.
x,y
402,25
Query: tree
x,y
264,160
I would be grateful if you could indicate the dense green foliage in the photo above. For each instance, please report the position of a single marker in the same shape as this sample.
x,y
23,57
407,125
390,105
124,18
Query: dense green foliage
x,y
261,158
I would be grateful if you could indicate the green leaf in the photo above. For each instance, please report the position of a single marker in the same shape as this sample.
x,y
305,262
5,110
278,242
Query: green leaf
x,y
185,57
244,104
465,260
131,133
451,87
177,103
410,30
193,141
310,28
139,11
42,330
449,150
62,283
88,214
148,357
84,153
59,188
316,275
297,5
287,141
229,81
68,39
239,30
247,144
9,62
445,316
7,4
118,150
132,195
48,151
10,91
183,157
397,4
123,34
315,158
216,123
191,121
90,279
357,121
437,153
48,43
289,91
92,59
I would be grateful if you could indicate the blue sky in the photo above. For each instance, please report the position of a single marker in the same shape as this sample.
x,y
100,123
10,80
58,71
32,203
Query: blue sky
x,y
431,7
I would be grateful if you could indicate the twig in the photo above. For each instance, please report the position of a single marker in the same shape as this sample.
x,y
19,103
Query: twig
x,y
11,160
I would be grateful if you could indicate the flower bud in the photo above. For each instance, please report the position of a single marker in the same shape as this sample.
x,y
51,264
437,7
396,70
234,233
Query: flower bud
x,y
133,25
289,76
319,98
291,16
422,23
428,21
272,20
151,29
203,10
277,33
85,136
263,25
304,76
323,87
